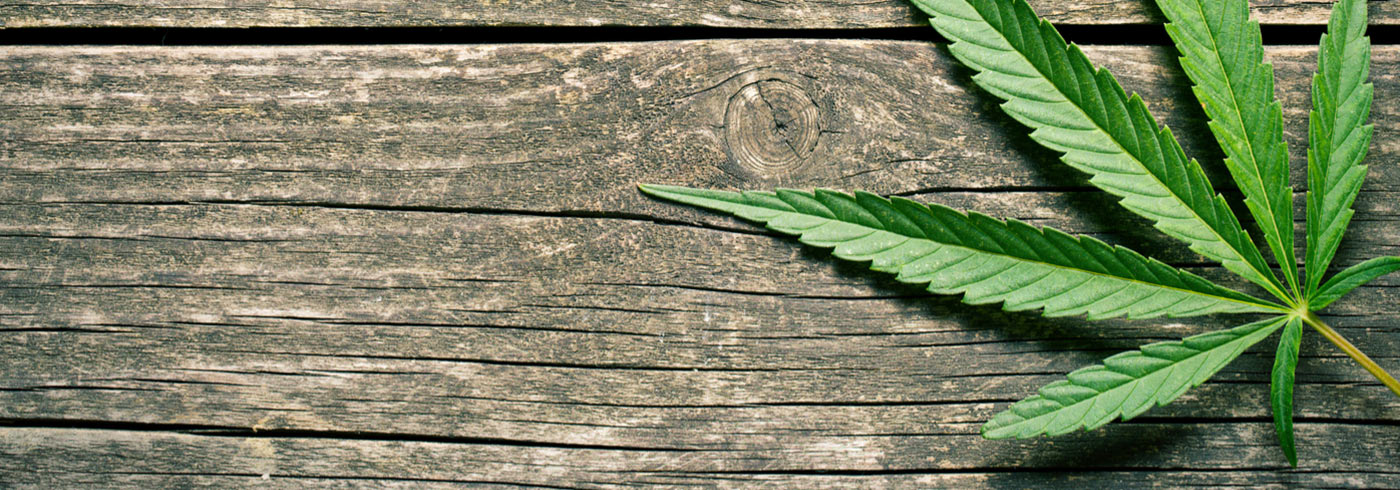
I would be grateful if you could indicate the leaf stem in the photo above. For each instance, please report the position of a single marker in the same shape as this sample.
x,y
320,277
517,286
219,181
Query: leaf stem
x,y
1360,357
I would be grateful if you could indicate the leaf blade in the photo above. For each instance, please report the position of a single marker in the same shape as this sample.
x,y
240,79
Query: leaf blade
x,y
1337,133
1223,55
1080,110
1352,278
1281,386
984,259
1126,384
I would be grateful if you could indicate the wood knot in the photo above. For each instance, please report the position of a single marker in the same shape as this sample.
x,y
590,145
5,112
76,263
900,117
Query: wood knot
x,y
771,127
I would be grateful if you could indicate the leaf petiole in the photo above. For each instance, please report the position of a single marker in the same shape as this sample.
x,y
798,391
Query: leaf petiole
x,y
1360,357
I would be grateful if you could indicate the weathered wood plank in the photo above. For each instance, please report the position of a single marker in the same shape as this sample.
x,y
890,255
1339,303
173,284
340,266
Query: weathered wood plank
x,y
497,302
551,128
724,13
74,456
429,265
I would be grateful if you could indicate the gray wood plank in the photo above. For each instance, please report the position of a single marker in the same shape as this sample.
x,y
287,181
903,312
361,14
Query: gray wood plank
x,y
47,458
551,128
818,14
428,265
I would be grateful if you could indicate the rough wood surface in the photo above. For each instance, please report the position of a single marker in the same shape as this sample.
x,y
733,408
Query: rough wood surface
x,y
808,14
429,266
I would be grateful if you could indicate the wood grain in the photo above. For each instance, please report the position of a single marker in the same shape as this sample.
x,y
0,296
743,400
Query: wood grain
x,y
181,460
428,265
810,14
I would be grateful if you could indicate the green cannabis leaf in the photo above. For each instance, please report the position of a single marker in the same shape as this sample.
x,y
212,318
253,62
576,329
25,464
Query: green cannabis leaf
x,y
1337,133
1236,89
985,259
1126,384
1281,386
1080,111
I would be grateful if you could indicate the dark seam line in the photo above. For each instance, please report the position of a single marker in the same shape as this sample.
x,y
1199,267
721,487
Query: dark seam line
x,y
245,432
1118,34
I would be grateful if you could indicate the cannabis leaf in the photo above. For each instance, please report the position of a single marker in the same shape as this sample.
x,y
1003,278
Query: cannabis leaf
x,y
985,259
1337,134
1126,384
1351,278
1281,386
1236,88
1080,111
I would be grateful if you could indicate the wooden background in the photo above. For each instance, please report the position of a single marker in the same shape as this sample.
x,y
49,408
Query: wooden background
x,y
427,265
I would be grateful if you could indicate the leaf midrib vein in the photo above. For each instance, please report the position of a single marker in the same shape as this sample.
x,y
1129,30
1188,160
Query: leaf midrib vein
x,y
975,251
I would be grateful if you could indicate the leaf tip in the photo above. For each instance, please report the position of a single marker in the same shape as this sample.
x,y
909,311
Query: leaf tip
x,y
989,432
657,190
